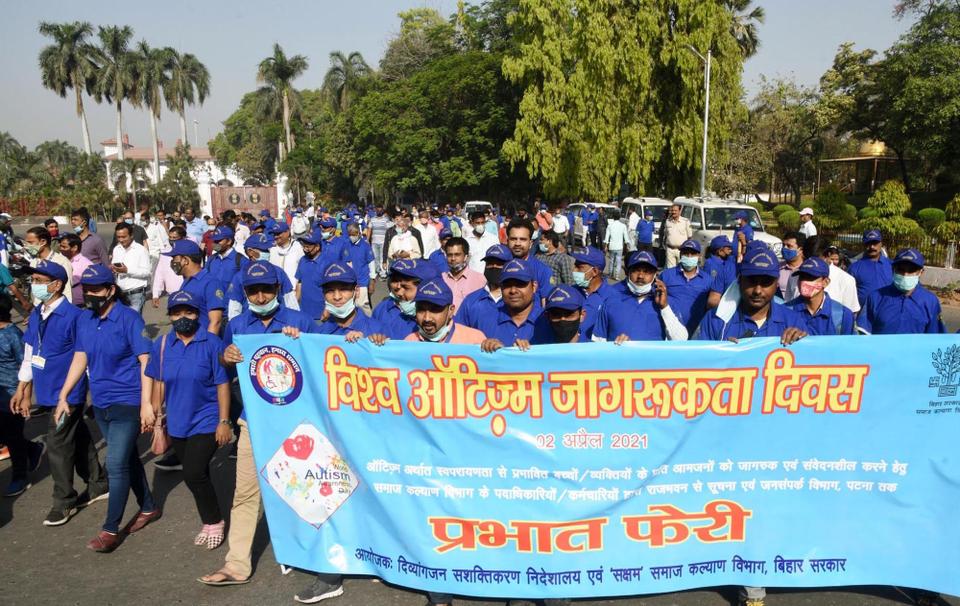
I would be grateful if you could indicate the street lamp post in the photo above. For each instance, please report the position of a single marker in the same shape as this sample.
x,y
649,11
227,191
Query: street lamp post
x,y
706,119
196,133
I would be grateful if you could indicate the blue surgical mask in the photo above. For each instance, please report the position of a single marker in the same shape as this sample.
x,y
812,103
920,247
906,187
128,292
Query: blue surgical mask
x,y
40,292
441,334
789,254
264,256
580,279
264,310
544,248
407,308
905,283
130,222
689,262
341,311
327,235
78,229
639,290
355,239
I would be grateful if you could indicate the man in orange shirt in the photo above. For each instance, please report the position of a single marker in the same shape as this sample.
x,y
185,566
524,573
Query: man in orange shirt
x,y
435,311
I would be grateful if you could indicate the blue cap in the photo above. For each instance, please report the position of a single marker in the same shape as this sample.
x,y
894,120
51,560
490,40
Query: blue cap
x,y
97,275
872,235
498,252
323,209
182,247
742,214
814,266
589,255
910,255
50,269
756,245
327,223
760,263
691,245
647,212
221,233
258,225
565,297
414,268
260,272
434,291
182,298
642,256
720,242
338,272
264,213
279,228
259,242
445,233
517,269
314,236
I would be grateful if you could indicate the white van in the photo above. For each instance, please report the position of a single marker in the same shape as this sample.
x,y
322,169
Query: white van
x,y
712,217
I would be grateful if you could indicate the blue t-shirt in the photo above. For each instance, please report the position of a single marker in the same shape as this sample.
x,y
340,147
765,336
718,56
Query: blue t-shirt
x,y
209,293
636,317
190,375
593,306
544,276
225,268
889,312
361,321
11,356
823,322
309,272
438,259
871,275
645,231
55,340
393,322
687,297
722,272
501,326
359,256
476,305
543,333
235,292
112,345
742,326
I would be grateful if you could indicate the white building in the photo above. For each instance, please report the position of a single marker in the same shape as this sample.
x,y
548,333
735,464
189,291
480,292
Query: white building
x,y
206,173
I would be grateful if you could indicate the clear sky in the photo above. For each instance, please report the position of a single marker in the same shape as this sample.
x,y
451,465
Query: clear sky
x,y
799,40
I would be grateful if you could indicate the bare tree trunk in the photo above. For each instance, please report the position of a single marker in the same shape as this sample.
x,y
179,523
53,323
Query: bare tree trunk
x,y
183,127
119,133
286,121
83,120
156,149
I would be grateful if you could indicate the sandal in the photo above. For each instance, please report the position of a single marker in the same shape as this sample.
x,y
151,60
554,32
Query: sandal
x,y
214,534
202,536
226,578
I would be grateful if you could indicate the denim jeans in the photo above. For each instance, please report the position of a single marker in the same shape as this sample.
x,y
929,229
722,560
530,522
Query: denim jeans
x,y
615,263
378,258
137,300
120,426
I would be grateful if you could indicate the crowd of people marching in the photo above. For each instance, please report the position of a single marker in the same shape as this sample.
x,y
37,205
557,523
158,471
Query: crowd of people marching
x,y
488,279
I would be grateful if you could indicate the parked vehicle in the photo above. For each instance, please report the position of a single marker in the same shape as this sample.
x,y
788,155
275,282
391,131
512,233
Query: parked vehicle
x,y
579,229
711,217
658,206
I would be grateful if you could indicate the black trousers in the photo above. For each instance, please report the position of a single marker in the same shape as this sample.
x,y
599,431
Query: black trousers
x,y
195,453
72,448
11,436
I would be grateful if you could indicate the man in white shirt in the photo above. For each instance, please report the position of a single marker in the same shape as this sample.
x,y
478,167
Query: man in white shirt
x,y
807,228
158,237
403,245
614,241
286,253
131,264
428,234
561,225
480,240
842,287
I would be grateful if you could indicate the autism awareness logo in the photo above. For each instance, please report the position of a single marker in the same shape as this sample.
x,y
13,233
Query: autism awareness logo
x,y
276,375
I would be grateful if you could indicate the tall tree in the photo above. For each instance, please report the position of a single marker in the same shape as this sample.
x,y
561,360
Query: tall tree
x,y
343,80
612,92
152,69
424,36
744,25
117,73
119,169
189,83
278,72
67,65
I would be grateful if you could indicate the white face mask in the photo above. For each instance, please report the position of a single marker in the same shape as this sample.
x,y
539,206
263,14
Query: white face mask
x,y
639,290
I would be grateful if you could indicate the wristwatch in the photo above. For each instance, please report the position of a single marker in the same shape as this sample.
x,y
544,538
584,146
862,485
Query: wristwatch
x,y
226,422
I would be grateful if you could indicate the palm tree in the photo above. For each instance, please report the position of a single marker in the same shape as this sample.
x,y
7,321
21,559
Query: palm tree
x,y
744,25
277,72
66,64
152,78
119,169
189,83
342,79
117,76
55,158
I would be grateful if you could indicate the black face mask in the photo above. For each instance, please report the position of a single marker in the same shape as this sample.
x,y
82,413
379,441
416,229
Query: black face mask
x,y
492,274
185,326
565,330
176,266
95,303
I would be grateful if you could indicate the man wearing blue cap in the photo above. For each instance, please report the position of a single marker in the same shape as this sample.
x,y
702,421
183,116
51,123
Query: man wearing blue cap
x,y
359,256
339,284
438,258
517,312
309,292
225,262
645,227
688,286
185,258
756,314
873,270
286,252
397,313
642,310
257,248
824,316
436,324
562,320
483,303
743,234
904,306
589,280
842,287
268,222
721,266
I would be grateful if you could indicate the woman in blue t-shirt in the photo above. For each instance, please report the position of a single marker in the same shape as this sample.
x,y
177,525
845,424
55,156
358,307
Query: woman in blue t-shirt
x,y
113,352
185,373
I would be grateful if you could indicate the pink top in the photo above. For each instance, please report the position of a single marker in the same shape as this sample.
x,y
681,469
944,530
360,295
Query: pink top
x,y
78,263
464,284
462,335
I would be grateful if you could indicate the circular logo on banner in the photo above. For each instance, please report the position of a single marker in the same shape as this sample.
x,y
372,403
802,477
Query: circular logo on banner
x,y
234,198
276,376
254,198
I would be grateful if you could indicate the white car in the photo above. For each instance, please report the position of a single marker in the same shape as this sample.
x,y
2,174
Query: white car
x,y
475,206
579,229
658,206
712,217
